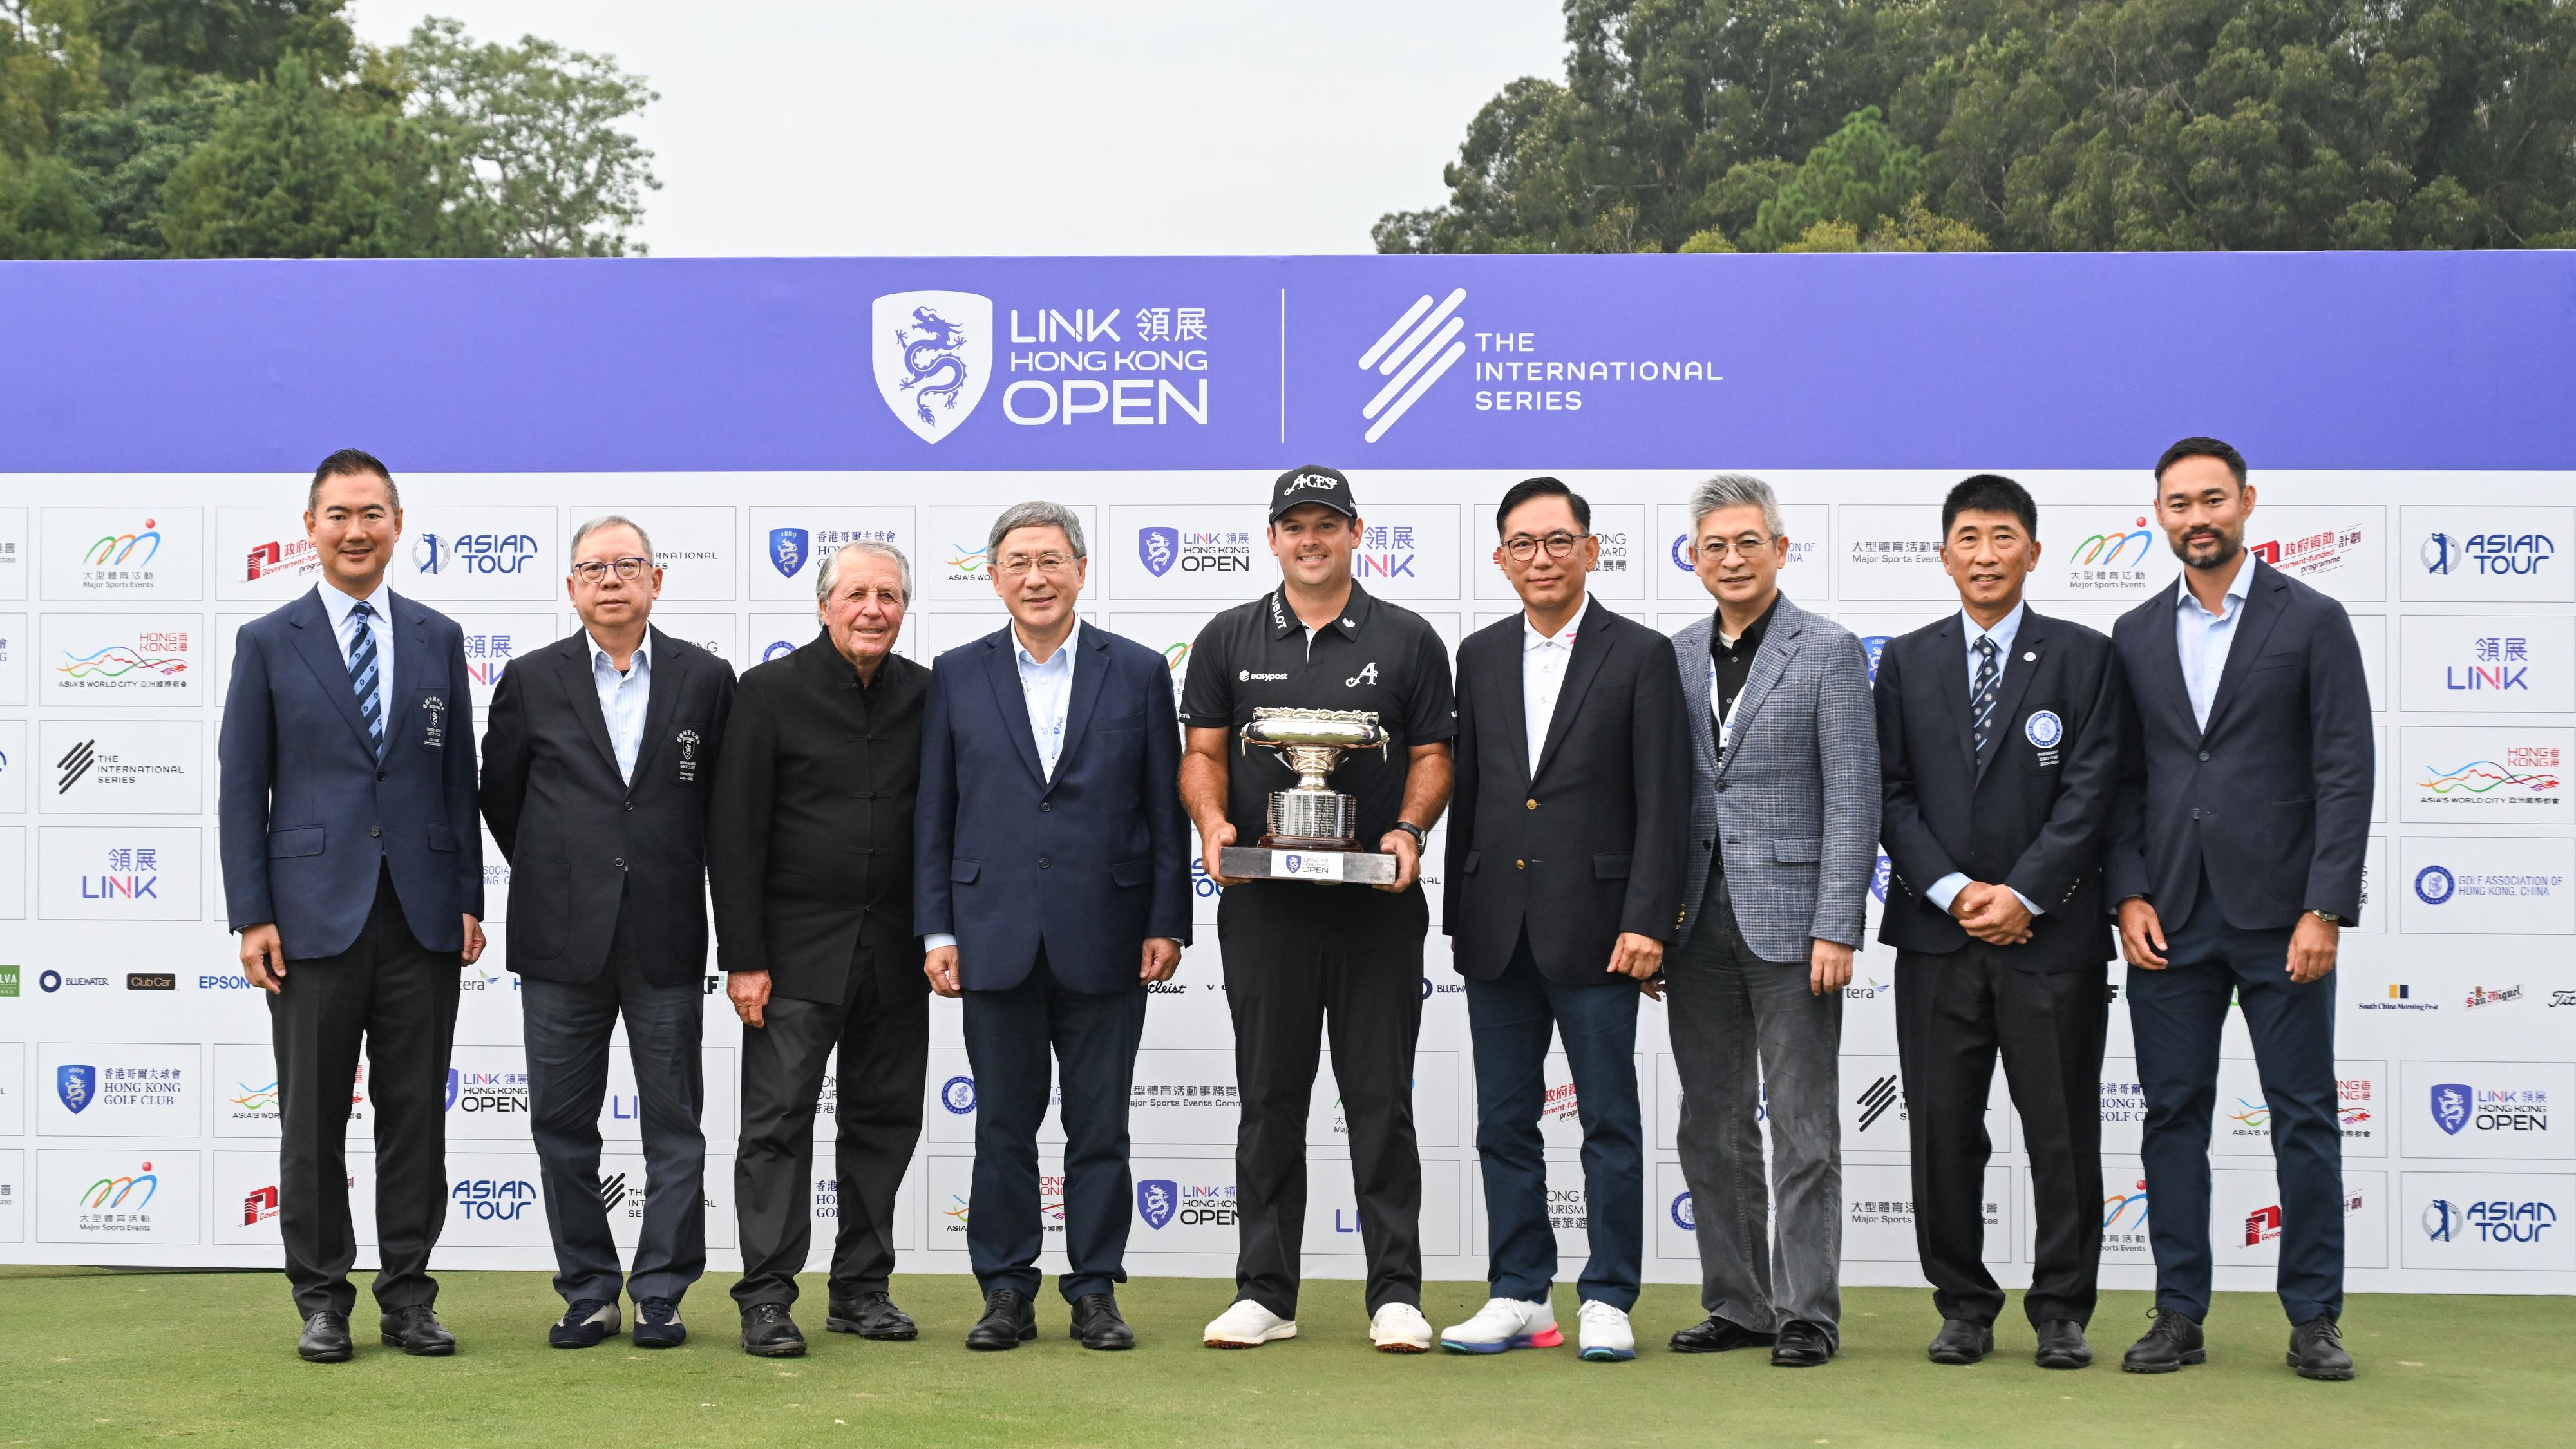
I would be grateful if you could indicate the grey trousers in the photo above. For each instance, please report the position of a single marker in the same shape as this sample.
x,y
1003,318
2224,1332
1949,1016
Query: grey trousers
x,y
1751,1042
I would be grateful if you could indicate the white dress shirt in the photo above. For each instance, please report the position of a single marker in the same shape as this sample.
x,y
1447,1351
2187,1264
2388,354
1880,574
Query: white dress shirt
x,y
1945,890
337,605
1543,663
2203,639
1048,690
622,698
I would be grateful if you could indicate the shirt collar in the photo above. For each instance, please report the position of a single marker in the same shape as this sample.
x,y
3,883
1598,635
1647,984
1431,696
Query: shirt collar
x,y
1532,639
1750,641
600,659
1062,655
2005,631
1284,620
337,604
2237,588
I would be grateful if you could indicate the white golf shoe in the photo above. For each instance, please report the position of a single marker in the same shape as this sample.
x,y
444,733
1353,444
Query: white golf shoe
x,y
1400,1328
1248,1325
1604,1333
1504,1323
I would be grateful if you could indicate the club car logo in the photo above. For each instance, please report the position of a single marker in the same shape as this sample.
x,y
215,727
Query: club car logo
x,y
933,355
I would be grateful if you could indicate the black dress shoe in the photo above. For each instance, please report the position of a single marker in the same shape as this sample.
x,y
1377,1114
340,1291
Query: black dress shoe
x,y
1096,1323
1717,1335
1801,1345
658,1325
1961,1342
416,1330
2173,1342
1009,1320
2062,1345
768,1332
325,1338
586,1322
872,1315
2316,1350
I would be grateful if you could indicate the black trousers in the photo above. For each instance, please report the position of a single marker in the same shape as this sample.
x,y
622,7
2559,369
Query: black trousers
x,y
1303,962
883,1034
1092,1037
399,998
568,1025
1954,1014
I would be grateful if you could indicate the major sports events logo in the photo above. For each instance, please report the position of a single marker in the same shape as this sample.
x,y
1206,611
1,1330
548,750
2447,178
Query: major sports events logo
x,y
1412,355
2491,555
933,356
116,1202
2114,559
122,560
2124,1219
2490,1220
473,553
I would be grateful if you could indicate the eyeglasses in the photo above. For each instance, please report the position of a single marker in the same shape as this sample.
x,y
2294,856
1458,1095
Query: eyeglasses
x,y
1018,565
1522,548
1748,546
594,571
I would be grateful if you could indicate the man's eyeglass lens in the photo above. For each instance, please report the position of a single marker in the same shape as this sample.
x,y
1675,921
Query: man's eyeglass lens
x,y
629,569
1017,565
1559,545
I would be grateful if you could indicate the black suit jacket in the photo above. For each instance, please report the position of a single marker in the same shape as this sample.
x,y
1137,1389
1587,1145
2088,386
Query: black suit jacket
x,y
812,825
2025,814
1594,842
2275,795
583,843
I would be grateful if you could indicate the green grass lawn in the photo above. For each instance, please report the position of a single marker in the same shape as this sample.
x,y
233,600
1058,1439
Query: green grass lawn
x,y
123,1357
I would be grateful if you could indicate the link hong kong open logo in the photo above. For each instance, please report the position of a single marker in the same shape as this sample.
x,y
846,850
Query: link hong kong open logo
x,y
933,357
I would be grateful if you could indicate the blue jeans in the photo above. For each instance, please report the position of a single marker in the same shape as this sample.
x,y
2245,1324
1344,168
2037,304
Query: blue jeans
x,y
1511,1018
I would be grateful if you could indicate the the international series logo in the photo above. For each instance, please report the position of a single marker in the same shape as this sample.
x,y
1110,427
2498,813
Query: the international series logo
x,y
1412,354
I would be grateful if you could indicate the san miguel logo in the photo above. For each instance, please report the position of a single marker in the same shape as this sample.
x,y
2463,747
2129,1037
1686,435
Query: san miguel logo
x,y
933,356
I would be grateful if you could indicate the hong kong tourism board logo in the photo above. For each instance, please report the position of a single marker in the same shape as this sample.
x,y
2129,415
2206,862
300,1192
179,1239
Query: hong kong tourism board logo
x,y
933,357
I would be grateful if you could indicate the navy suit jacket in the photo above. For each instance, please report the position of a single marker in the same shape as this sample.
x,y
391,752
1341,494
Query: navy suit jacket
x,y
2274,797
308,812
1086,864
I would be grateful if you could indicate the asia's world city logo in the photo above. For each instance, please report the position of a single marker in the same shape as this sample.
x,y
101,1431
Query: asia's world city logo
x,y
2527,775
156,658
489,1199
2490,1220
133,874
2491,555
473,553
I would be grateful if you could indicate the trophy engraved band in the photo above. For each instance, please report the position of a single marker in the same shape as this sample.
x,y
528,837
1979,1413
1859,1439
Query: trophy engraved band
x,y
1312,826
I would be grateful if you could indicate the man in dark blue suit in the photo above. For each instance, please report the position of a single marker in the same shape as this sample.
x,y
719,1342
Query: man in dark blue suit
x,y
1051,886
2235,860
353,869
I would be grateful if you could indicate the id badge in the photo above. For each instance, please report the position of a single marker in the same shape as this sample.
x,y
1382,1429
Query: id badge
x,y
688,741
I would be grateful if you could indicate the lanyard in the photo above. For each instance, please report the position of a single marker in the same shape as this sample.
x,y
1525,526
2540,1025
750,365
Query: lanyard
x,y
1725,715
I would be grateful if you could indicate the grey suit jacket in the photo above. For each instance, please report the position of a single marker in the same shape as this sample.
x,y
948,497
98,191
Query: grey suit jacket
x,y
1797,801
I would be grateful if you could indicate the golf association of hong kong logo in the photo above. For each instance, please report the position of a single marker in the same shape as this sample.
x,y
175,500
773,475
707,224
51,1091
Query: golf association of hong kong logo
x,y
1683,1217
933,357
2433,885
957,1094
2044,728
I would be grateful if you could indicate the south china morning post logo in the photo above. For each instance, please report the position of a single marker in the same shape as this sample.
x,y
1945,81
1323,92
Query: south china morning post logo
x,y
936,354
1163,550
2400,996
1515,371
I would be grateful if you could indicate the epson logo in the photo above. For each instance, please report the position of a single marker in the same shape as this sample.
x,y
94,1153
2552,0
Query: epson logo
x,y
1247,676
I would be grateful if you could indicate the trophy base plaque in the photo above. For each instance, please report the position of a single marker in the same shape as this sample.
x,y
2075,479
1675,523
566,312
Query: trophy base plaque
x,y
1331,864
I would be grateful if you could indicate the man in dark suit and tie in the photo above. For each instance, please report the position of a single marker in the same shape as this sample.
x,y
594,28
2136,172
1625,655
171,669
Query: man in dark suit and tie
x,y
354,872
810,860
1998,733
2236,858
597,768
1567,837
1052,885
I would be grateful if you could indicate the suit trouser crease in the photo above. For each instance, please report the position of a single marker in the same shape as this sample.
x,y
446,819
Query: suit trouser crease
x,y
1752,1043
399,997
1511,1019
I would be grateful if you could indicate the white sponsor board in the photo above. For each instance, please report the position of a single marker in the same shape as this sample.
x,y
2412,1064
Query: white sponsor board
x,y
463,556
123,767
2491,1110
2488,885
128,552
101,1197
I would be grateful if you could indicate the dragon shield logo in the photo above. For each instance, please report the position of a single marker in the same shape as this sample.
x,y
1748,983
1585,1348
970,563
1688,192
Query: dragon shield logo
x,y
2450,1107
1157,1198
1158,549
77,1085
933,353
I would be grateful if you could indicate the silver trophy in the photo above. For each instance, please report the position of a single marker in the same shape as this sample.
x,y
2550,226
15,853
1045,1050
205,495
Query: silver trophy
x,y
1313,827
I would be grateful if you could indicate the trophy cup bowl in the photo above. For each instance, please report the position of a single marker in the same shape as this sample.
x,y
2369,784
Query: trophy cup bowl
x,y
1313,827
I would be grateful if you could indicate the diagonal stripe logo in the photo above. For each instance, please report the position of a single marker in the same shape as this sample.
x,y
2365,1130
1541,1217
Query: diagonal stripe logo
x,y
1875,1100
75,763
1412,355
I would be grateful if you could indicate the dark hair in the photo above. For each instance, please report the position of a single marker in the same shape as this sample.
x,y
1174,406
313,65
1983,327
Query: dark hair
x,y
1990,493
2202,448
1543,487
350,463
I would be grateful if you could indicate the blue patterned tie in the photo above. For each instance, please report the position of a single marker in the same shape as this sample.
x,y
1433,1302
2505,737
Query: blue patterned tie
x,y
1981,703
363,675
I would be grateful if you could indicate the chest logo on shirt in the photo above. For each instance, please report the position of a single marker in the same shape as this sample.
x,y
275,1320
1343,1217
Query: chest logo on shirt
x,y
1367,675
688,741
433,734
2044,728
1246,676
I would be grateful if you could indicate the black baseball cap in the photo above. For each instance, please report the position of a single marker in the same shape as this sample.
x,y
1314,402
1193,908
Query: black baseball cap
x,y
1313,483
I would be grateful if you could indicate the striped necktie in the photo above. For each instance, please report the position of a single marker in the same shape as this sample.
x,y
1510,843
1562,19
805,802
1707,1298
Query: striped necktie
x,y
363,675
1981,702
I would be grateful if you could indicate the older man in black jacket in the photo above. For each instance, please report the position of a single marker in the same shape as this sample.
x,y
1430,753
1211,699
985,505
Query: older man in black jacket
x,y
812,834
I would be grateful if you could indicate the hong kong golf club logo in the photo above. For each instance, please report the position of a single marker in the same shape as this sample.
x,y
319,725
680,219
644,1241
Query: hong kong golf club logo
x,y
788,550
933,353
1157,1198
1412,355
77,1085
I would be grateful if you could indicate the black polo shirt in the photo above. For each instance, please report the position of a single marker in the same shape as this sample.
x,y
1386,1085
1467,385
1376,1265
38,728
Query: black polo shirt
x,y
1377,657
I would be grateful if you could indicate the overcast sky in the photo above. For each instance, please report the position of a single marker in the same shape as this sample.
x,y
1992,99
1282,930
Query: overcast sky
x,y
961,127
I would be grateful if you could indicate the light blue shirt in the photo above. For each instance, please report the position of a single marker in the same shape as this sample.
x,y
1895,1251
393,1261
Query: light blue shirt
x,y
2203,639
1945,890
622,698
1048,690
337,605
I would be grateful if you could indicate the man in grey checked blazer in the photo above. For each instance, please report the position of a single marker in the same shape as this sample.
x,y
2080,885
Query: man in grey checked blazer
x,y
1784,835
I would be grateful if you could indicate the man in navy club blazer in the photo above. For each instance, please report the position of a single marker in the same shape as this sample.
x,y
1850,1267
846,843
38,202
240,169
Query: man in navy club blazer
x,y
2235,862
1051,886
353,870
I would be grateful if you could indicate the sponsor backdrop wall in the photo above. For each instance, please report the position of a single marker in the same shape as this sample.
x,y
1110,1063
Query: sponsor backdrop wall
x,y
2406,416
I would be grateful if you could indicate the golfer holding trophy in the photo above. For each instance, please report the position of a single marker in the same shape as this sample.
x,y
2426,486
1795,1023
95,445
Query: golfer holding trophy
x,y
1319,722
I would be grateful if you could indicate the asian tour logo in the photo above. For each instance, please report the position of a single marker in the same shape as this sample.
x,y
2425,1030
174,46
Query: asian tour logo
x,y
488,554
2494,555
933,356
2495,1220
1412,355
488,1199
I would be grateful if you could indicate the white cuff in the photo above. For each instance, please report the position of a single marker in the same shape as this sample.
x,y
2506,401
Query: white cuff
x,y
1945,890
937,939
2027,903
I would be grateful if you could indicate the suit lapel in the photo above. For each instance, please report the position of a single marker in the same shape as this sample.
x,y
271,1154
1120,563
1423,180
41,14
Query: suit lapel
x,y
321,651
1090,674
1950,684
669,675
2170,691
2031,642
1779,641
580,680
1511,702
1690,660
2266,599
1590,647
1001,671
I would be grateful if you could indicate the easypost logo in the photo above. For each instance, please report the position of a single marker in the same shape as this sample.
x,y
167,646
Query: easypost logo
x,y
1157,1198
933,356
1414,353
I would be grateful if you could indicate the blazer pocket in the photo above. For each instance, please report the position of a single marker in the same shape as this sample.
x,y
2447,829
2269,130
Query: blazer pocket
x,y
305,840
1130,872
1797,851
1472,857
440,837
962,870
2279,661
1134,721
1610,867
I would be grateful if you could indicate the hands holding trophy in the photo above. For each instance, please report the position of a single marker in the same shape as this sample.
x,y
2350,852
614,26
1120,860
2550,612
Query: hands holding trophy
x,y
1312,827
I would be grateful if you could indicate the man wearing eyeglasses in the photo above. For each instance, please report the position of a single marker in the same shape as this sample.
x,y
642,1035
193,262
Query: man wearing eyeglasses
x,y
597,770
1566,843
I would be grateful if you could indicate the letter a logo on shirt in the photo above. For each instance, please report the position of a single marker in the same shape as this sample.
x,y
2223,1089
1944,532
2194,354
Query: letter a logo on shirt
x,y
1368,674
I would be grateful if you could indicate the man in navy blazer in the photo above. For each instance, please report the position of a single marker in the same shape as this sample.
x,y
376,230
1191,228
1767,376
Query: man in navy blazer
x,y
1051,887
353,869
2235,862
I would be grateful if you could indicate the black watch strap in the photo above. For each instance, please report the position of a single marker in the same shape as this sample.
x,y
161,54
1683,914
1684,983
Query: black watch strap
x,y
1409,828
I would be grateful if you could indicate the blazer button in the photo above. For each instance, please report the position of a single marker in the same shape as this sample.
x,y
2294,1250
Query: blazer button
x,y
1045,806
1520,865
1044,863
374,831
620,862
1721,787
380,774
630,804
2204,755
1529,804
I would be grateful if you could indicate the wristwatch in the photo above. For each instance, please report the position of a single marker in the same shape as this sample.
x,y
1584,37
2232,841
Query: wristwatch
x,y
2329,917
1409,828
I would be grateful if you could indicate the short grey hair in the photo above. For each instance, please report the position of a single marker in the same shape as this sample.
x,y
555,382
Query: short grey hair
x,y
830,573
609,520
1735,490
1039,514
